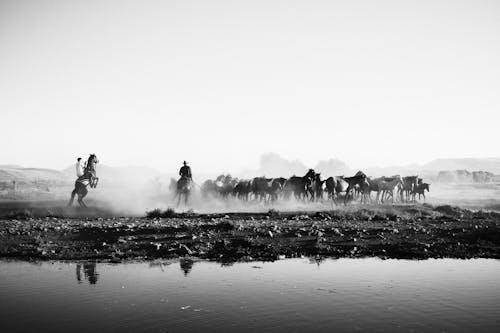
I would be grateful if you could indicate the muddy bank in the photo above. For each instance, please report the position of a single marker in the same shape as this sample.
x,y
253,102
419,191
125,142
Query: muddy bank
x,y
405,232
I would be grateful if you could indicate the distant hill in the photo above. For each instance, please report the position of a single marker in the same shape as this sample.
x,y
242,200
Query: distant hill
x,y
271,165
130,174
472,164
9,173
434,167
10,166
274,165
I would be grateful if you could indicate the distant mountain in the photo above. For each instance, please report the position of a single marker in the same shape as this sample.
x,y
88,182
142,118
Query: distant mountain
x,y
9,173
135,175
434,167
412,169
271,165
10,166
274,165
471,164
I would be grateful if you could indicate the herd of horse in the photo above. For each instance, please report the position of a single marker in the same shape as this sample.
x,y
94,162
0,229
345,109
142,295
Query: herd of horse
x,y
312,187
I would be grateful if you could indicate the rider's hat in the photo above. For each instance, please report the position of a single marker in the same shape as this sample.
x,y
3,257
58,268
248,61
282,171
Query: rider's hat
x,y
185,162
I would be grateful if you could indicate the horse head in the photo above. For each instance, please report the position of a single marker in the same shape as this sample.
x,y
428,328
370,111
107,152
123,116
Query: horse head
x,y
360,174
310,174
92,161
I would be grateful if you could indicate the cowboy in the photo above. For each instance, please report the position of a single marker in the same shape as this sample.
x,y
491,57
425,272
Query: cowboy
x,y
79,167
185,171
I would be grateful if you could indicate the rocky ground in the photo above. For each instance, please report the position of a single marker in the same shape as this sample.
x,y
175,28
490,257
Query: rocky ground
x,y
405,232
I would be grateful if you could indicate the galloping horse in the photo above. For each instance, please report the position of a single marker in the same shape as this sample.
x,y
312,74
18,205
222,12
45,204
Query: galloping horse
x,y
420,190
89,178
409,184
389,185
183,189
358,179
301,187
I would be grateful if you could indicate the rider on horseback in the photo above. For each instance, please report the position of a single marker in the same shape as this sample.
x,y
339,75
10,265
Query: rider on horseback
x,y
79,167
89,171
184,183
185,172
86,176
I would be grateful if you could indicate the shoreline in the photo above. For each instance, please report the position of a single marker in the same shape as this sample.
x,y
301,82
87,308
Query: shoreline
x,y
386,232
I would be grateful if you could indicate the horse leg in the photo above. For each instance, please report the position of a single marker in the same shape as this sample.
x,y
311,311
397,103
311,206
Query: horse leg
x,y
70,203
347,192
80,201
368,197
82,195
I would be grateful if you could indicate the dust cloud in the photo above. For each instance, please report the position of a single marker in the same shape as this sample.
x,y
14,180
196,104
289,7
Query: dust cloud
x,y
132,191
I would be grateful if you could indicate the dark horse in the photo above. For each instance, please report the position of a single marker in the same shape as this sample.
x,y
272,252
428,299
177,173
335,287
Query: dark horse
x,y
301,187
358,179
183,189
89,178
80,190
90,170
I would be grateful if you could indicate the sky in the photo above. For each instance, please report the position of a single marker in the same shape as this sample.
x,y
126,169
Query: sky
x,y
218,83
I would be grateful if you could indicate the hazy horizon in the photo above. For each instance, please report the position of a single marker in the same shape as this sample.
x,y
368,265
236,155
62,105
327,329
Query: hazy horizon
x,y
274,161
218,83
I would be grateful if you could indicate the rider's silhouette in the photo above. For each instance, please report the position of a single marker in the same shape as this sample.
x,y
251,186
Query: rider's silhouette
x,y
185,171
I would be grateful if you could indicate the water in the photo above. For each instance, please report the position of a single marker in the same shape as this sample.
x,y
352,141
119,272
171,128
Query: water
x,y
290,295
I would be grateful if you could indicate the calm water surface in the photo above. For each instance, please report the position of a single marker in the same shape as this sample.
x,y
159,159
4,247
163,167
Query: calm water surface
x,y
291,295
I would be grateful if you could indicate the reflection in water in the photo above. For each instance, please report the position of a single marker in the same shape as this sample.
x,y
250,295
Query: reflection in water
x,y
186,265
89,272
316,260
287,295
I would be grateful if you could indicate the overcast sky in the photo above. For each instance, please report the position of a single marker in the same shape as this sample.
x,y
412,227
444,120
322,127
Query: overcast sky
x,y
218,83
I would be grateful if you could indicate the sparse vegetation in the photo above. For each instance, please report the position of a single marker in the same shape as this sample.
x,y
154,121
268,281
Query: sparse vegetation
x,y
273,212
24,214
158,213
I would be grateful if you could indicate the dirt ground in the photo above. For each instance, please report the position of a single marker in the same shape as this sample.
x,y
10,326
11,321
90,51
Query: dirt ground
x,y
399,231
